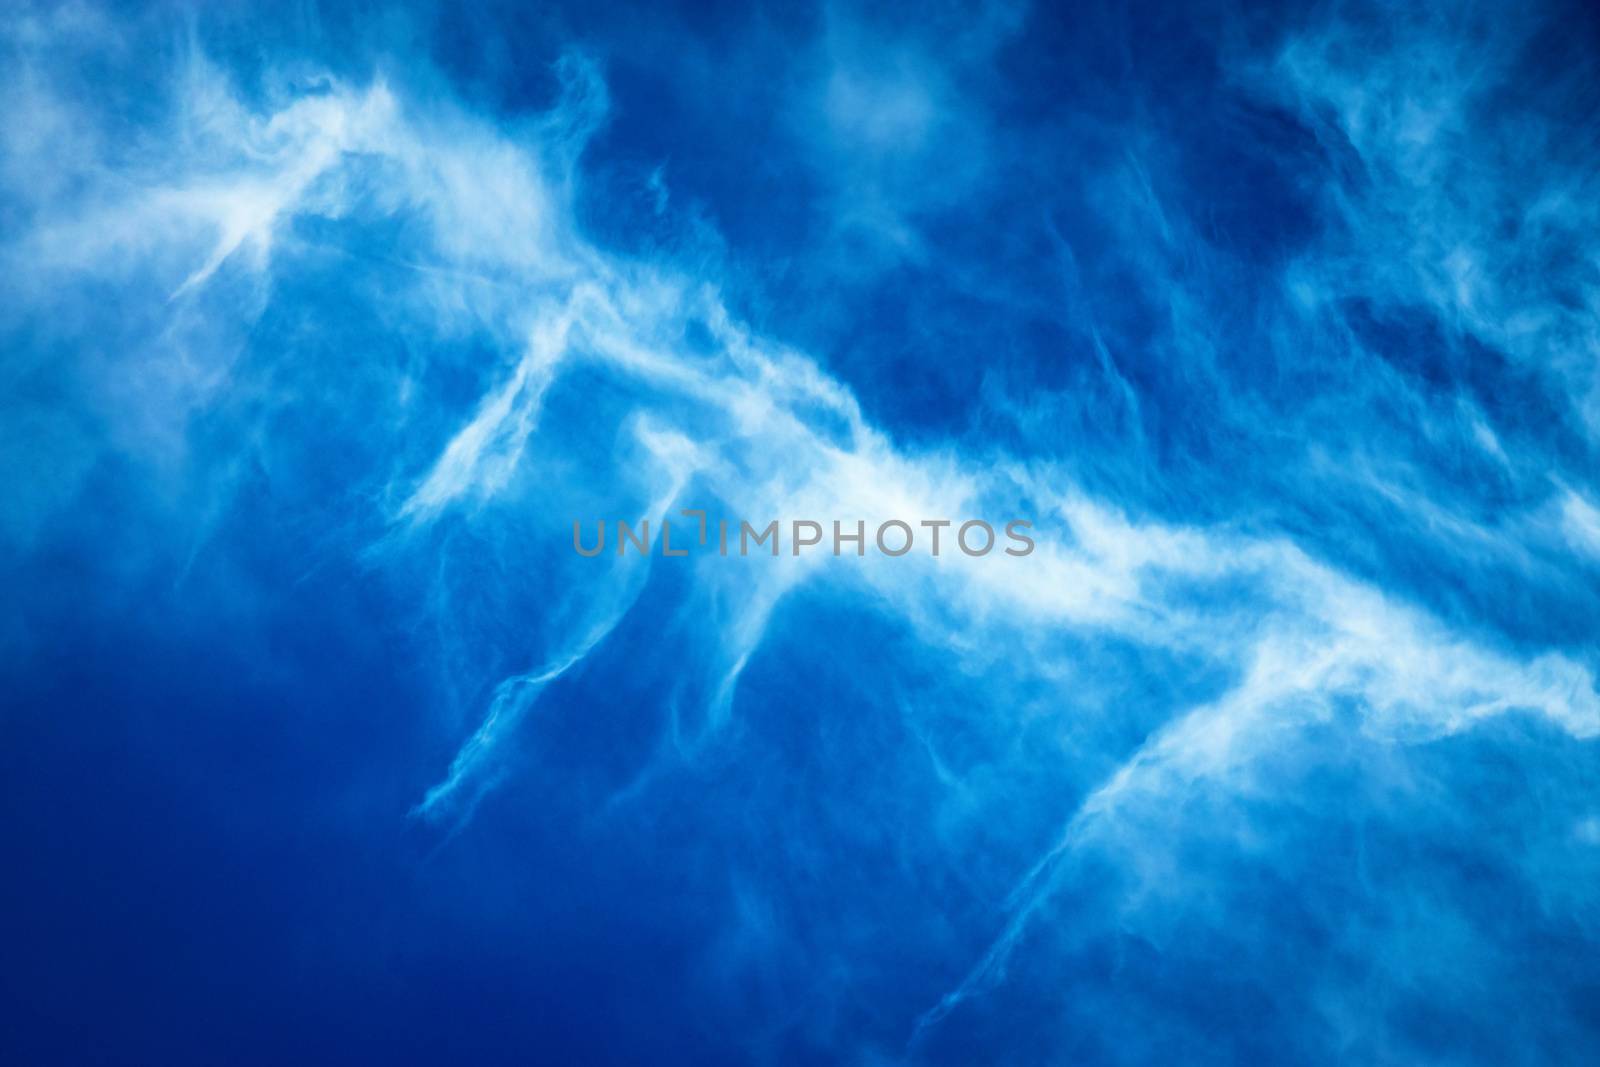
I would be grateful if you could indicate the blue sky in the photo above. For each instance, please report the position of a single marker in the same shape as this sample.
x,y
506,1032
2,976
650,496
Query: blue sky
x,y
323,323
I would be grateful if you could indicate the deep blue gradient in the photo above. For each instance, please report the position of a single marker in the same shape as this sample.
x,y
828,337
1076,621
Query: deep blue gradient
x,y
320,325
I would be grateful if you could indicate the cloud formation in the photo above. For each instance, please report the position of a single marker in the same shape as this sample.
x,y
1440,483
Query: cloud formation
x,y
1291,364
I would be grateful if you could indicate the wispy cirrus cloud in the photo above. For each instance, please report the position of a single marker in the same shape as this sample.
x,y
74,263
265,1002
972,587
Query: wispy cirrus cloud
x,y
383,306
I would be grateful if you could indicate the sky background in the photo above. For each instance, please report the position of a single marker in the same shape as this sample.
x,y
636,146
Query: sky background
x,y
320,325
